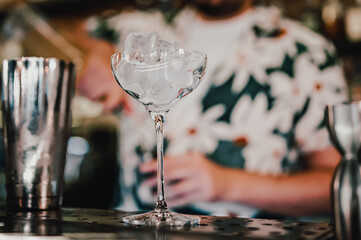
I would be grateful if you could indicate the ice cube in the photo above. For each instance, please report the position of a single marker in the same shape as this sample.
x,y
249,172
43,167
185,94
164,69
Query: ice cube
x,y
167,51
141,47
177,72
144,48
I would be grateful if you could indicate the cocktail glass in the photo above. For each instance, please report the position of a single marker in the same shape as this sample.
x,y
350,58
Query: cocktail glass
x,y
158,86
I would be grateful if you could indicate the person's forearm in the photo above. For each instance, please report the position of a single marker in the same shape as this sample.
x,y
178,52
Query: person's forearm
x,y
299,194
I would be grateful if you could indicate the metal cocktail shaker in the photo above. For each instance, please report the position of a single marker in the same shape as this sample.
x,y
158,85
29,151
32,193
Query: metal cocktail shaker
x,y
343,121
36,105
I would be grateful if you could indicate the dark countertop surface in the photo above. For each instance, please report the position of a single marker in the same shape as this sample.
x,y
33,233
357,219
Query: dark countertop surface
x,y
76,223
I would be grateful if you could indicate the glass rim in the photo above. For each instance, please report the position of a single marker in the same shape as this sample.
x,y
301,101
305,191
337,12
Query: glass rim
x,y
160,64
345,103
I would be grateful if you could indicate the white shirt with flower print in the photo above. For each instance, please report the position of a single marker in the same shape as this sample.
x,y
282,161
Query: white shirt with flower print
x,y
259,107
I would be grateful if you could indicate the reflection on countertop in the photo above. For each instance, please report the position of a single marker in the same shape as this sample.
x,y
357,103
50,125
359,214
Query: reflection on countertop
x,y
72,223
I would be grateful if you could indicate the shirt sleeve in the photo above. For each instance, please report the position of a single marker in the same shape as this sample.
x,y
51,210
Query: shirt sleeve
x,y
326,86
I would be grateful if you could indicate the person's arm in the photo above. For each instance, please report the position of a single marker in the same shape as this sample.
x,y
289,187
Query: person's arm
x,y
97,82
302,193
195,178
94,76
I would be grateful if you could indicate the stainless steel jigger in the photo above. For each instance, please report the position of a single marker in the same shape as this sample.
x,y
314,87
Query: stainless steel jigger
x,y
343,122
36,104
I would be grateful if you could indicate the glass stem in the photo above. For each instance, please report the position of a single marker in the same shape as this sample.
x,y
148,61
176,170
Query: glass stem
x,y
158,121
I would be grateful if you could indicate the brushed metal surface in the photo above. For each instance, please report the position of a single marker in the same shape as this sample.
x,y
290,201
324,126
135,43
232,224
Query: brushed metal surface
x,y
36,103
343,123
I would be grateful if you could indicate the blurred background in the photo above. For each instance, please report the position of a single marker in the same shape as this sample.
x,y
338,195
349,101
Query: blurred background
x,y
52,28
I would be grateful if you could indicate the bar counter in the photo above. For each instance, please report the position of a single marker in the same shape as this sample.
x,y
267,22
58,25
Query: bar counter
x,y
75,223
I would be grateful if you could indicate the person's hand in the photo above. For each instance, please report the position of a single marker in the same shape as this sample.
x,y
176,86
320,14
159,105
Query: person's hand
x,y
188,178
97,82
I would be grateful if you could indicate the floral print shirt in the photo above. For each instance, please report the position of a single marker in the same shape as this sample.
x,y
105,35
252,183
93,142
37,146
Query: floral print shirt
x,y
259,108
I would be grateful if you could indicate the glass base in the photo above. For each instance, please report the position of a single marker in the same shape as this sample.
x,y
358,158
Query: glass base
x,y
162,217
